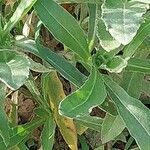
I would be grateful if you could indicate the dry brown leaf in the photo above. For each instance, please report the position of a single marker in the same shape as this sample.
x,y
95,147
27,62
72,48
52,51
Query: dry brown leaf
x,y
66,125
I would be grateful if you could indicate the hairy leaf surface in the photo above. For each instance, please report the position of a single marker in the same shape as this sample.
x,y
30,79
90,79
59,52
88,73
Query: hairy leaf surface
x,y
123,18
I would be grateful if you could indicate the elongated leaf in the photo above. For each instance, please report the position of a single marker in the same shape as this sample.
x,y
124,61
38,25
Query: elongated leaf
x,y
31,85
54,90
139,65
90,122
83,142
48,134
111,127
81,102
133,112
92,24
132,83
59,63
123,18
143,32
4,128
22,131
14,69
38,67
63,26
22,146
62,66
21,10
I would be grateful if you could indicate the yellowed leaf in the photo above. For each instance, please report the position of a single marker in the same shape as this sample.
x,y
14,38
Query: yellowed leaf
x,y
66,125
80,128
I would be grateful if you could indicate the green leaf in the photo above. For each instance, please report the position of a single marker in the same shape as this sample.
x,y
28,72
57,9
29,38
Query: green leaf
x,y
63,26
132,83
129,143
62,65
48,134
121,137
92,25
58,62
139,65
22,131
14,69
81,102
20,12
31,85
91,122
133,112
143,32
99,148
123,18
111,127
106,40
83,143
109,107
4,127
116,64
22,146
38,67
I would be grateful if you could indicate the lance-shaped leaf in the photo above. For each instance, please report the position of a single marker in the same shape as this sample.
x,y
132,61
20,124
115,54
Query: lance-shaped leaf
x,y
4,127
132,80
111,127
143,32
22,9
81,102
92,25
14,69
132,83
63,26
38,67
58,62
54,90
139,65
22,131
62,65
123,18
91,122
48,134
133,112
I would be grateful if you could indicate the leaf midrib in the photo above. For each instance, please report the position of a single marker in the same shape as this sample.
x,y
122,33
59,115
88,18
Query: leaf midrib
x,y
139,67
65,29
129,110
